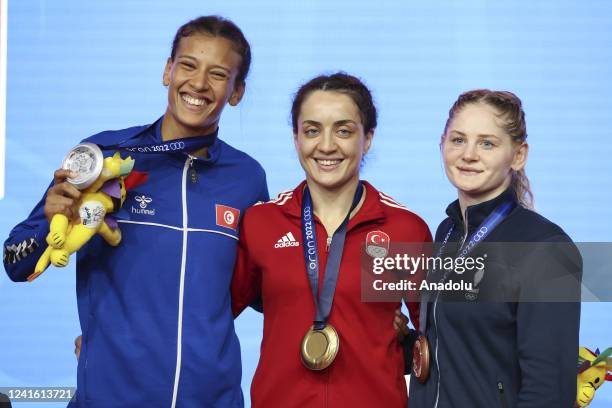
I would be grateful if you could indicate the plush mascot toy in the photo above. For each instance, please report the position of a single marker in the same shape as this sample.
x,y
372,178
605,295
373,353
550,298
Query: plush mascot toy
x,y
593,370
105,195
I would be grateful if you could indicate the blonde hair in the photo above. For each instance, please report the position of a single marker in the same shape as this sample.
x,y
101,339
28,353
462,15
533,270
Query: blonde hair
x,y
511,112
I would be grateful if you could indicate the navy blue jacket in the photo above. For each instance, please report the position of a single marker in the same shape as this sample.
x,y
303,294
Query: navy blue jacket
x,y
488,352
155,312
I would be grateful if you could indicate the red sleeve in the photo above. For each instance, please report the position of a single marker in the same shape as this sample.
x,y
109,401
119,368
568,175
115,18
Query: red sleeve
x,y
424,236
246,281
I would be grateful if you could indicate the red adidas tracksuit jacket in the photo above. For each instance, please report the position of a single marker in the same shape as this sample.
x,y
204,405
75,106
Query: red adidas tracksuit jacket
x,y
369,368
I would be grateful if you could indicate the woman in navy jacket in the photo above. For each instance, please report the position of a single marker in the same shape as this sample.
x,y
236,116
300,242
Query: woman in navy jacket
x,y
499,344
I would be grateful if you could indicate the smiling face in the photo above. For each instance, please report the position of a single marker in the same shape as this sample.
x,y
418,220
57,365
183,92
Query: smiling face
x,y
200,81
479,156
330,140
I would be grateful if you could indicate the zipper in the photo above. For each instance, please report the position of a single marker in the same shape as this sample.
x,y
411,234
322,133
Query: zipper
x,y
435,318
466,227
327,387
435,323
193,174
350,229
502,397
179,336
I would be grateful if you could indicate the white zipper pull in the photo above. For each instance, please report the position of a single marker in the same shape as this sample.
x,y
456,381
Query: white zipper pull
x,y
329,240
193,174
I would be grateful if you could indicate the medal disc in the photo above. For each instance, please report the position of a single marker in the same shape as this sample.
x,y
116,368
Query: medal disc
x,y
420,359
86,160
320,347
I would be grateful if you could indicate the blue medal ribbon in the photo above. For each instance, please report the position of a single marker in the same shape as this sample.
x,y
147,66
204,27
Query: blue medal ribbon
x,y
485,228
323,303
186,144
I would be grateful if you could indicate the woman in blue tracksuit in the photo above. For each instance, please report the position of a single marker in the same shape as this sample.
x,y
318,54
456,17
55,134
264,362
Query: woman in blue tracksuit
x,y
515,350
155,311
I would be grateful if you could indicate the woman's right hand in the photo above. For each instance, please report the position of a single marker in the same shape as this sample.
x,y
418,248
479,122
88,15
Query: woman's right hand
x,y
62,197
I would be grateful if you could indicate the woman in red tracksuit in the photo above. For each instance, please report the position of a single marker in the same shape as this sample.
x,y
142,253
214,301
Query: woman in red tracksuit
x,y
333,211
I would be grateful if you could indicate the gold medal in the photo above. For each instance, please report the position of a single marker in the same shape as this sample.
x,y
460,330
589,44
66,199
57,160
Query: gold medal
x,y
420,359
320,347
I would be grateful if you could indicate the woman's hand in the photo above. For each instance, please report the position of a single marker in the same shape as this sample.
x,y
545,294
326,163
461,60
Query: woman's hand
x,y
400,324
62,197
77,346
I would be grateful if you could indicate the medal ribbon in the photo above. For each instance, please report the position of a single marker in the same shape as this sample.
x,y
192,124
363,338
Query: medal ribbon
x,y
186,144
323,303
485,228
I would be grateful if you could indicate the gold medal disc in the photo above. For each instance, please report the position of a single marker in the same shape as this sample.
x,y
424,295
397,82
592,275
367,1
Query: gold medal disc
x,y
320,347
420,359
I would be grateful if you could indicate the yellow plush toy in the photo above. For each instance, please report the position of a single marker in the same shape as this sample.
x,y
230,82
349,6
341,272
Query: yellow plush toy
x,y
593,370
105,195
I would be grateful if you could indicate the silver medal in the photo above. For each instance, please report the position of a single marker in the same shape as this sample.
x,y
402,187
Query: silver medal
x,y
86,160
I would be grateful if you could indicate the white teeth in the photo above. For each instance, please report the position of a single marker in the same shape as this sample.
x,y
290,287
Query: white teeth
x,y
192,101
328,162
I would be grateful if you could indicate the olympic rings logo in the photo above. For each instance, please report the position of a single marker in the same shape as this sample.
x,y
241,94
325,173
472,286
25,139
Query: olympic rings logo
x,y
176,145
480,234
166,147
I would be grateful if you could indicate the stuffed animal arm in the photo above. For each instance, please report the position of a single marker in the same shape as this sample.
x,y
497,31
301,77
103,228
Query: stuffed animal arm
x,y
593,370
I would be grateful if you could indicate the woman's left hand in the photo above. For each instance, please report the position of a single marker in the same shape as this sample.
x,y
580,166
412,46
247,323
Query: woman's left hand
x,y
400,324
77,346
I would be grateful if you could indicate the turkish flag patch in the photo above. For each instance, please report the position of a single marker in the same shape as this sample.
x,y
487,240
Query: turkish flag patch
x,y
377,244
227,216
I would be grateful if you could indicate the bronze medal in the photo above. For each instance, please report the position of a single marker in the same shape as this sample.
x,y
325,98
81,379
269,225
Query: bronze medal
x,y
320,347
420,359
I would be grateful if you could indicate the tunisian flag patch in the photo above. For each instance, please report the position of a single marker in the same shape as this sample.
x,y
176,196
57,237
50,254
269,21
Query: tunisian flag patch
x,y
227,216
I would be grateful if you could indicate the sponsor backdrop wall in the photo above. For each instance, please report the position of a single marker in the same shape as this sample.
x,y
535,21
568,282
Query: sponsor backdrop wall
x,y
79,67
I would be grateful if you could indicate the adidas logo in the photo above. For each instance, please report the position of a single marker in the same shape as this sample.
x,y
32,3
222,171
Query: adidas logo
x,y
288,240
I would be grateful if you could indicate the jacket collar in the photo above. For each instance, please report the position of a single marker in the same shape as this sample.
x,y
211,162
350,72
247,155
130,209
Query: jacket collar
x,y
371,209
152,133
477,213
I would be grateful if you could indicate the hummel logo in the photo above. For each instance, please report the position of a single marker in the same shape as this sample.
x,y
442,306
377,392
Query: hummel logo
x,y
143,200
288,240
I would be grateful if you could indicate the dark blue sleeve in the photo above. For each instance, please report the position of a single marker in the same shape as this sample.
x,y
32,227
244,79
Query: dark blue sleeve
x,y
548,334
263,194
26,243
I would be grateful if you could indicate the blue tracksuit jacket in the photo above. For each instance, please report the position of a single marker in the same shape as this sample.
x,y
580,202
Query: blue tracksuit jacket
x,y
155,311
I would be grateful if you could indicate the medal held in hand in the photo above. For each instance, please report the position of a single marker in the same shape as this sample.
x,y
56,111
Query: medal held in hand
x,y
321,342
102,196
420,359
86,160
